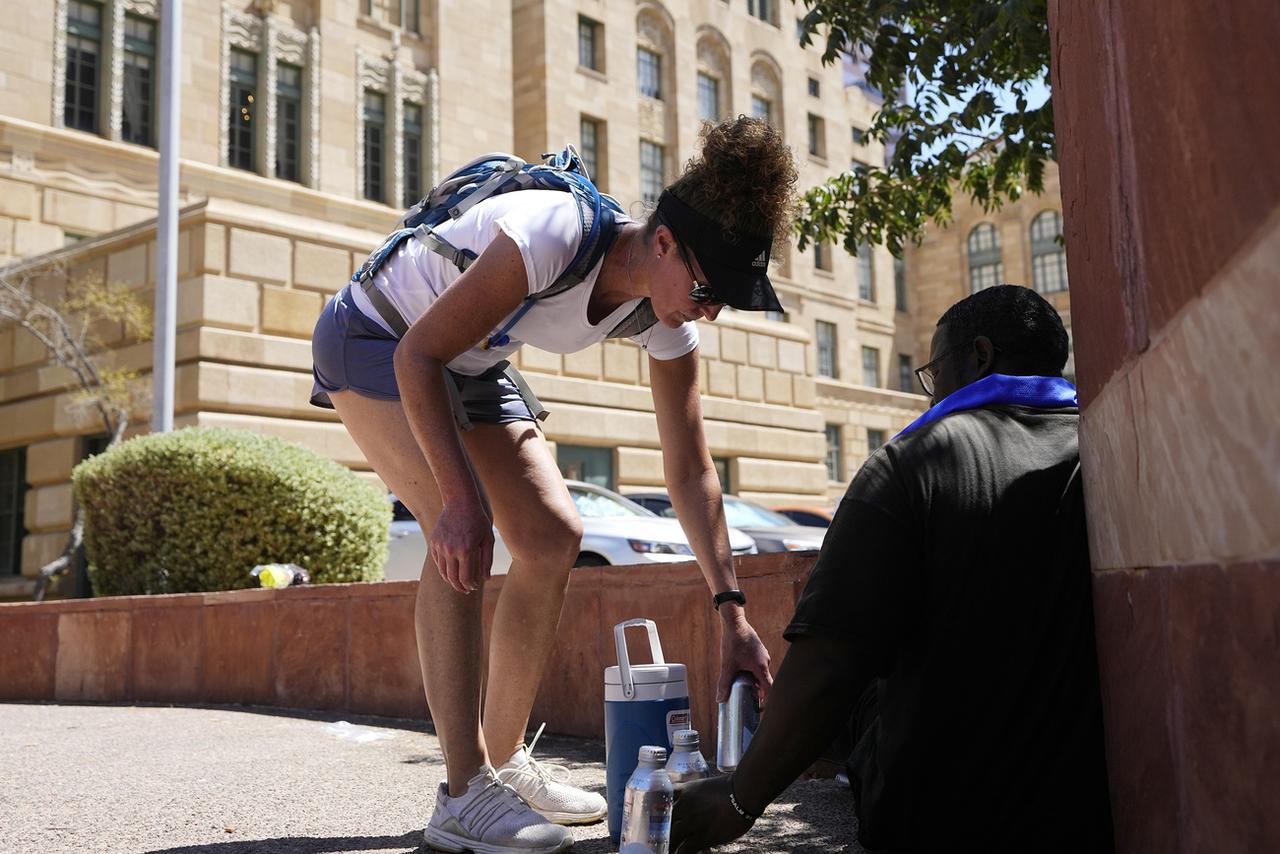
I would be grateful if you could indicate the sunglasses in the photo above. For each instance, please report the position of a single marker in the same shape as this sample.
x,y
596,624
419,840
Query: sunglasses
x,y
702,294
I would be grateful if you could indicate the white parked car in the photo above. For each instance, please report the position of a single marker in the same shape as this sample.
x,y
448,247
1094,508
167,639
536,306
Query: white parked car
x,y
771,531
615,531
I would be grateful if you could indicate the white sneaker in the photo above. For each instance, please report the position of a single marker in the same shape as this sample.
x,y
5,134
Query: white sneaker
x,y
546,789
491,819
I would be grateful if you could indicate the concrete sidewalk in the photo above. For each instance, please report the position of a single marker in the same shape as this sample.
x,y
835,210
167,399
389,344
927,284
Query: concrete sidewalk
x,y
177,780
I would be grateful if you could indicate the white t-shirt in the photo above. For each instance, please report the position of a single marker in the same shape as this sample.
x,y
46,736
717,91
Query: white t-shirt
x,y
544,224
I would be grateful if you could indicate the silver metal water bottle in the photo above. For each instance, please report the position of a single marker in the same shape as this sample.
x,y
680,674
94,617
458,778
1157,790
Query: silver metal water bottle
x,y
739,718
646,809
686,763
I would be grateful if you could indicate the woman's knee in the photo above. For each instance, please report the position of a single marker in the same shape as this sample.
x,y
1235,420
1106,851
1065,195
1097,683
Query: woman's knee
x,y
550,539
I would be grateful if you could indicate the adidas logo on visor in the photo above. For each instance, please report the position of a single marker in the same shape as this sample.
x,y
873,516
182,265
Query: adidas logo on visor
x,y
762,260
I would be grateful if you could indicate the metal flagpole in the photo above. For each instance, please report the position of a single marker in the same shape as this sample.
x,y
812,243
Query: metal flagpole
x,y
167,216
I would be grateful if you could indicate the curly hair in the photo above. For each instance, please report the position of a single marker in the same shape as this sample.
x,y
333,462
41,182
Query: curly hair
x,y
745,179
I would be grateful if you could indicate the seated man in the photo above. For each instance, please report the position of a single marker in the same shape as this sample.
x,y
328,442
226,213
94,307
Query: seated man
x,y
949,617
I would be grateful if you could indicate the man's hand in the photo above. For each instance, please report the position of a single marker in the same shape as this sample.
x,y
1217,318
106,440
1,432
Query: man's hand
x,y
741,652
703,817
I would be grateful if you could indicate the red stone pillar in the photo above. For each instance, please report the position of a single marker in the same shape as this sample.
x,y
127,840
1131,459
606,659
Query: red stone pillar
x,y
1168,122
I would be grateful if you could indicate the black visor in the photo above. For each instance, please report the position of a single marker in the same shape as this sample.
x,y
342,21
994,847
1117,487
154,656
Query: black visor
x,y
737,270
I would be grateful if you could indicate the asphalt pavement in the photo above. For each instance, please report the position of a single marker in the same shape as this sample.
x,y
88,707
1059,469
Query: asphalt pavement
x,y
236,780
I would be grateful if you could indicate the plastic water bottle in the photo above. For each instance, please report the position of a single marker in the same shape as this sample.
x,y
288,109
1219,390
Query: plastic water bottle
x,y
686,762
646,812
280,575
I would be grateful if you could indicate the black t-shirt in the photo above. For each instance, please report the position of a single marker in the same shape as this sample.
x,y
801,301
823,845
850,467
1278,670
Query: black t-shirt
x,y
957,565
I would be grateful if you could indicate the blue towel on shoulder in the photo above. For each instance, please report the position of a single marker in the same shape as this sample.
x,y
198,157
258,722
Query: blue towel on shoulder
x,y
997,389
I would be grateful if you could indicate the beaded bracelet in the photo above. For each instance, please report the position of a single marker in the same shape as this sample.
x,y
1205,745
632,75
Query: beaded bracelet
x,y
733,802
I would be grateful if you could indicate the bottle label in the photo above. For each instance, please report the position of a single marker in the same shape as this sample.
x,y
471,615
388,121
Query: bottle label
x,y
660,821
677,720
646,822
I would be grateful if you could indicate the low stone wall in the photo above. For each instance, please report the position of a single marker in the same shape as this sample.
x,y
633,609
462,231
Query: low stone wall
x,y
350,647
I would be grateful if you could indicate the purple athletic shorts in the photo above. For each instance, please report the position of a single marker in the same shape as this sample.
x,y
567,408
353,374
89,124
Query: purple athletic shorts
x,y
350,351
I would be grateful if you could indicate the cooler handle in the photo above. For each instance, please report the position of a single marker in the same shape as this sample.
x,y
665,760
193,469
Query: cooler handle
x,y
624,663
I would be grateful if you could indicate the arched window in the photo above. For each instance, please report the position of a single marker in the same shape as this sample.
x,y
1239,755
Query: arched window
x,y
656,76
715,94
1048,260
985,267
766,91
655,45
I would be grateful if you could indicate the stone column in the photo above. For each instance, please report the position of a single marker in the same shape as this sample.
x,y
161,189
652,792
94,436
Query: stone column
x,y
1167,122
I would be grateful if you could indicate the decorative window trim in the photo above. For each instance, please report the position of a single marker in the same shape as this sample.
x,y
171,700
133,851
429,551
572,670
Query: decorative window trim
x,y
59,101
145,9
113,47
110,93
398,83
111,61
274,42
244,32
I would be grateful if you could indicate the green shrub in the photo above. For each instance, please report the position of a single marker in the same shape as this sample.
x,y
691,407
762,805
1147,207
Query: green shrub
x,y
196,509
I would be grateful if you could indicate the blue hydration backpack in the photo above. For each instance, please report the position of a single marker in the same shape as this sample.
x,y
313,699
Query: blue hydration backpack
x,y
489,176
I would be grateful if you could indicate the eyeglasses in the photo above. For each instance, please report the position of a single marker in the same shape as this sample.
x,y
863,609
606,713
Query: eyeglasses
x,y
928,373
701,293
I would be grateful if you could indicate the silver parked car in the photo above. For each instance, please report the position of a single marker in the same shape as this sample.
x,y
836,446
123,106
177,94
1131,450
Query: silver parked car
x,y
772,531
615,531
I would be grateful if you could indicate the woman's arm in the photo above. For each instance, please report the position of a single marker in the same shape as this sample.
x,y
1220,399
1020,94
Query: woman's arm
x,y
461,544
695,494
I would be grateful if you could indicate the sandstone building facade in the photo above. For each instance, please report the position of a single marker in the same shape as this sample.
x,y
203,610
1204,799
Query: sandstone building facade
x,y
1018,243
308,126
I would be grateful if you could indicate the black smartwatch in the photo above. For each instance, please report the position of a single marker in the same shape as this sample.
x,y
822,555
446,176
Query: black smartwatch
x,y
729,596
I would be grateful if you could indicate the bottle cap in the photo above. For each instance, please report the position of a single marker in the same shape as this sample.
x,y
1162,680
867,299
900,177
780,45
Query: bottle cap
x,y
685,738
653,754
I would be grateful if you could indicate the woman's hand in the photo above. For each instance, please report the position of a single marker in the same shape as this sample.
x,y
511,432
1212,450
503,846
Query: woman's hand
x,y
461,545
703,817
742,652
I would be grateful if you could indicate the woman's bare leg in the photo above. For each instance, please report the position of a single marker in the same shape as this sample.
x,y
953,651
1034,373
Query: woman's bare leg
x,y
448,623
542,530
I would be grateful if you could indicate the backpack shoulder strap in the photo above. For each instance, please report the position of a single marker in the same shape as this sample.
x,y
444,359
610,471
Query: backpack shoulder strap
x,y
363,279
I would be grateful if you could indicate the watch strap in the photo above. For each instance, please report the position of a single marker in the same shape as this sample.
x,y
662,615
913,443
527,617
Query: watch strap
x,y
729,596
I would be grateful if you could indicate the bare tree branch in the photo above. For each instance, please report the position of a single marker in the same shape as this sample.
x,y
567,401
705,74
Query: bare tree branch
x,y
66,331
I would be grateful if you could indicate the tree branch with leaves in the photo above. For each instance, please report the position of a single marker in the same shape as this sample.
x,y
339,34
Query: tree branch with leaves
x,y
956,78
69,329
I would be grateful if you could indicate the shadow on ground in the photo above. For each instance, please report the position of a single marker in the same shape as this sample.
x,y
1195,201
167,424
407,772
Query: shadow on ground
x,y
811,817
406,843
